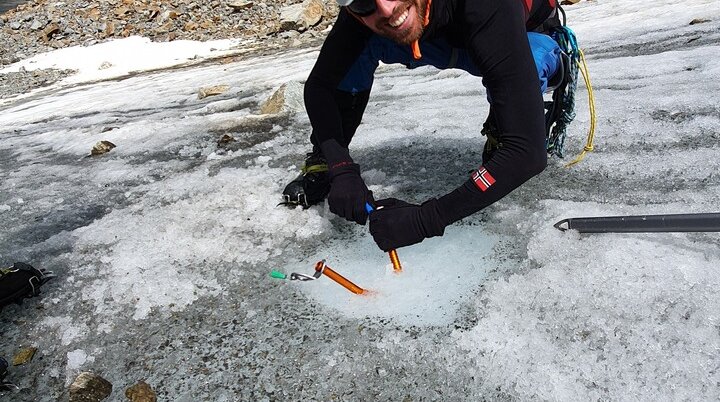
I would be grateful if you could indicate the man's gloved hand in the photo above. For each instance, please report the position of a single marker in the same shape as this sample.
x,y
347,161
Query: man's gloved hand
x,y
396,223
348,192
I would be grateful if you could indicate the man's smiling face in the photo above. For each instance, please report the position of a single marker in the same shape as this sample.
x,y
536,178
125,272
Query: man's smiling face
x,y
399,20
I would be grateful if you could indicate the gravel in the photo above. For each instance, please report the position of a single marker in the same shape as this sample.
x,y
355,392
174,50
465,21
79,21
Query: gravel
x,y
40,26
22,81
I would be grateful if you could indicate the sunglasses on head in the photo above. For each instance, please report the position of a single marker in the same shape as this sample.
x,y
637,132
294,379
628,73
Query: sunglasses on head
x,y
361,8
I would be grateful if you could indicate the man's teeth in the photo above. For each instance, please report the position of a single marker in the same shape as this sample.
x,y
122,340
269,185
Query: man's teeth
x,y
400,19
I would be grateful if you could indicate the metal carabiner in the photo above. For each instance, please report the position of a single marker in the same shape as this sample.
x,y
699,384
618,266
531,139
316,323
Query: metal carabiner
x,y
301,277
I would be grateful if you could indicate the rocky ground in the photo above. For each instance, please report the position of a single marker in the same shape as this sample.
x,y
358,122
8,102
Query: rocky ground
x,y
43,25
18,82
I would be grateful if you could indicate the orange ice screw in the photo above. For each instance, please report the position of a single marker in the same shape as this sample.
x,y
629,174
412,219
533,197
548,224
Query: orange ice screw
x,y
395,261
397,268
341,280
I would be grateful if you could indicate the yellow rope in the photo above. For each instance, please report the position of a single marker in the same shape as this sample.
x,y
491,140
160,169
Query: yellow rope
x,y
591,100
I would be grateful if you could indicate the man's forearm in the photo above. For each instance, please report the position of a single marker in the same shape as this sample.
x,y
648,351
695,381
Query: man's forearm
x,y
485,187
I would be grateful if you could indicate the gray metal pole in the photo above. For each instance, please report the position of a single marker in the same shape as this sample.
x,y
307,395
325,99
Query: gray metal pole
x,y
703,222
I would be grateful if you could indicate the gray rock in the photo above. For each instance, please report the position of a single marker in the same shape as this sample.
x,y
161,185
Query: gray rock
x,y
37,24
239,5
301,16
289,34
287,98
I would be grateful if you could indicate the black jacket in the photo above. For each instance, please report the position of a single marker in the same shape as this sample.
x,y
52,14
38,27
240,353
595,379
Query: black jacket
x,y
495,34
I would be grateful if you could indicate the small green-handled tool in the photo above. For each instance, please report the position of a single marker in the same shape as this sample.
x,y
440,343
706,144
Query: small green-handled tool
x,y
277,275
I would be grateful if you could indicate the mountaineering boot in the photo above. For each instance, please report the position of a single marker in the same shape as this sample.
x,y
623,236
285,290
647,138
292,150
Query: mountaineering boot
x,y
311,186
313,183
21,281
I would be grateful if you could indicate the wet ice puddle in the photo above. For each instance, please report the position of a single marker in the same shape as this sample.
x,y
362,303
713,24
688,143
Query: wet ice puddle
x,y
438,277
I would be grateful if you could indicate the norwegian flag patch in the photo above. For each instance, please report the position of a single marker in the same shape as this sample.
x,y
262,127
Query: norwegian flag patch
x,y
482,178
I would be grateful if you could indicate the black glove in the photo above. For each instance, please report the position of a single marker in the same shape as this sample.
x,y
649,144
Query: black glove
x,y
396,223
348,192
